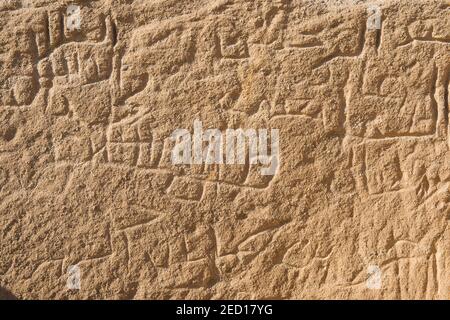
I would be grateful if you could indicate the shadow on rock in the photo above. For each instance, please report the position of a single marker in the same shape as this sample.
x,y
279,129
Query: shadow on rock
x,y
6,295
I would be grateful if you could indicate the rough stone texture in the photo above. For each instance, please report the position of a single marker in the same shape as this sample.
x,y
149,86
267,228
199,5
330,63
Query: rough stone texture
x,y
85,171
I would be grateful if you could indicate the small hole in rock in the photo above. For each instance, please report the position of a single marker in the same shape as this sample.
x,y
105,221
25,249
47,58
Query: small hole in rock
x,y
10,134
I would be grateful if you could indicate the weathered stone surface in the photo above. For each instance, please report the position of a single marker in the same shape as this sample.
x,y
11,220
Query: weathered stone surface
x,y
86,177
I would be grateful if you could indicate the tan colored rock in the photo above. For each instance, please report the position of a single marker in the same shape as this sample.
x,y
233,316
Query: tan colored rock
x,y
92,205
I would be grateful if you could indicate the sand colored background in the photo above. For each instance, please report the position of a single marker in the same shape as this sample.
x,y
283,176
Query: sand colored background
x,y
86,177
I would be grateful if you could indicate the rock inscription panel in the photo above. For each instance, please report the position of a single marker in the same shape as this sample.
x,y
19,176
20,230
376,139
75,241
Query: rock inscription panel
x,y
358,206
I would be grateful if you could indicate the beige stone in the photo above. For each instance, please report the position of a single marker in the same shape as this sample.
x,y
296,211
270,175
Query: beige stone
x,y
359,206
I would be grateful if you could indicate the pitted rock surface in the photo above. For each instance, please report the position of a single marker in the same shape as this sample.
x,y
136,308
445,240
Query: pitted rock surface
x,y
86,177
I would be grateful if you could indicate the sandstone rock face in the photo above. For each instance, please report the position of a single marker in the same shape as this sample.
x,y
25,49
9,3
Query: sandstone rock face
x,y
93,206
